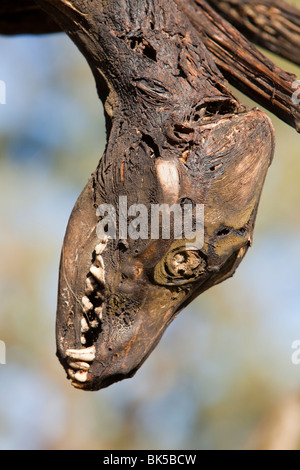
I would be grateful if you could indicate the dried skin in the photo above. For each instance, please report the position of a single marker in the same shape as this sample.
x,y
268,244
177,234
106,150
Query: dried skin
x,y
176,135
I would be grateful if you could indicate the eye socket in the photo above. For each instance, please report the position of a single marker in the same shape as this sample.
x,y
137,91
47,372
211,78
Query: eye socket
x,y
180,266
223,232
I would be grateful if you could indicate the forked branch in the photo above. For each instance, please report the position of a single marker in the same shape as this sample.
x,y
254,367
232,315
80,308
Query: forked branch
x,y
242,64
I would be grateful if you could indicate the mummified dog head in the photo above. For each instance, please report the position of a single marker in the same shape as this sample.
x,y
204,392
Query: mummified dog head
x,y
120,284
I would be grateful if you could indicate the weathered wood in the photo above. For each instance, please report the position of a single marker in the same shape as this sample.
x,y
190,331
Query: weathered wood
x,y
273,24
270,23
242,64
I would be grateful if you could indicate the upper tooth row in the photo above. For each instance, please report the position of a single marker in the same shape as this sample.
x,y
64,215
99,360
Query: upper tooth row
x,y
97,269
79,359
84,325
92,283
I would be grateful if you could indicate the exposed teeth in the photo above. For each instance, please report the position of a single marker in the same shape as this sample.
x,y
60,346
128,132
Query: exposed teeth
x,y
100,261
80,376
242,252
98,273
85,355
90,285
100,248
94,323
93,286
78,370
84,325
79,365
98,312
87,304
71,373
77,385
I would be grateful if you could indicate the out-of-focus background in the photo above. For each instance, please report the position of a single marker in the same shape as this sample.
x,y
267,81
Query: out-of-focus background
x,y
222,377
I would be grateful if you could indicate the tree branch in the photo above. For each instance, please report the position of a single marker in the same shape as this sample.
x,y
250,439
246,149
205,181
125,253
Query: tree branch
x,y
272,24
25,17
242,64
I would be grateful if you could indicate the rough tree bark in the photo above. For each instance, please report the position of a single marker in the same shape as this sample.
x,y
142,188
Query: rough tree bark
x,y
272,24
176,136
